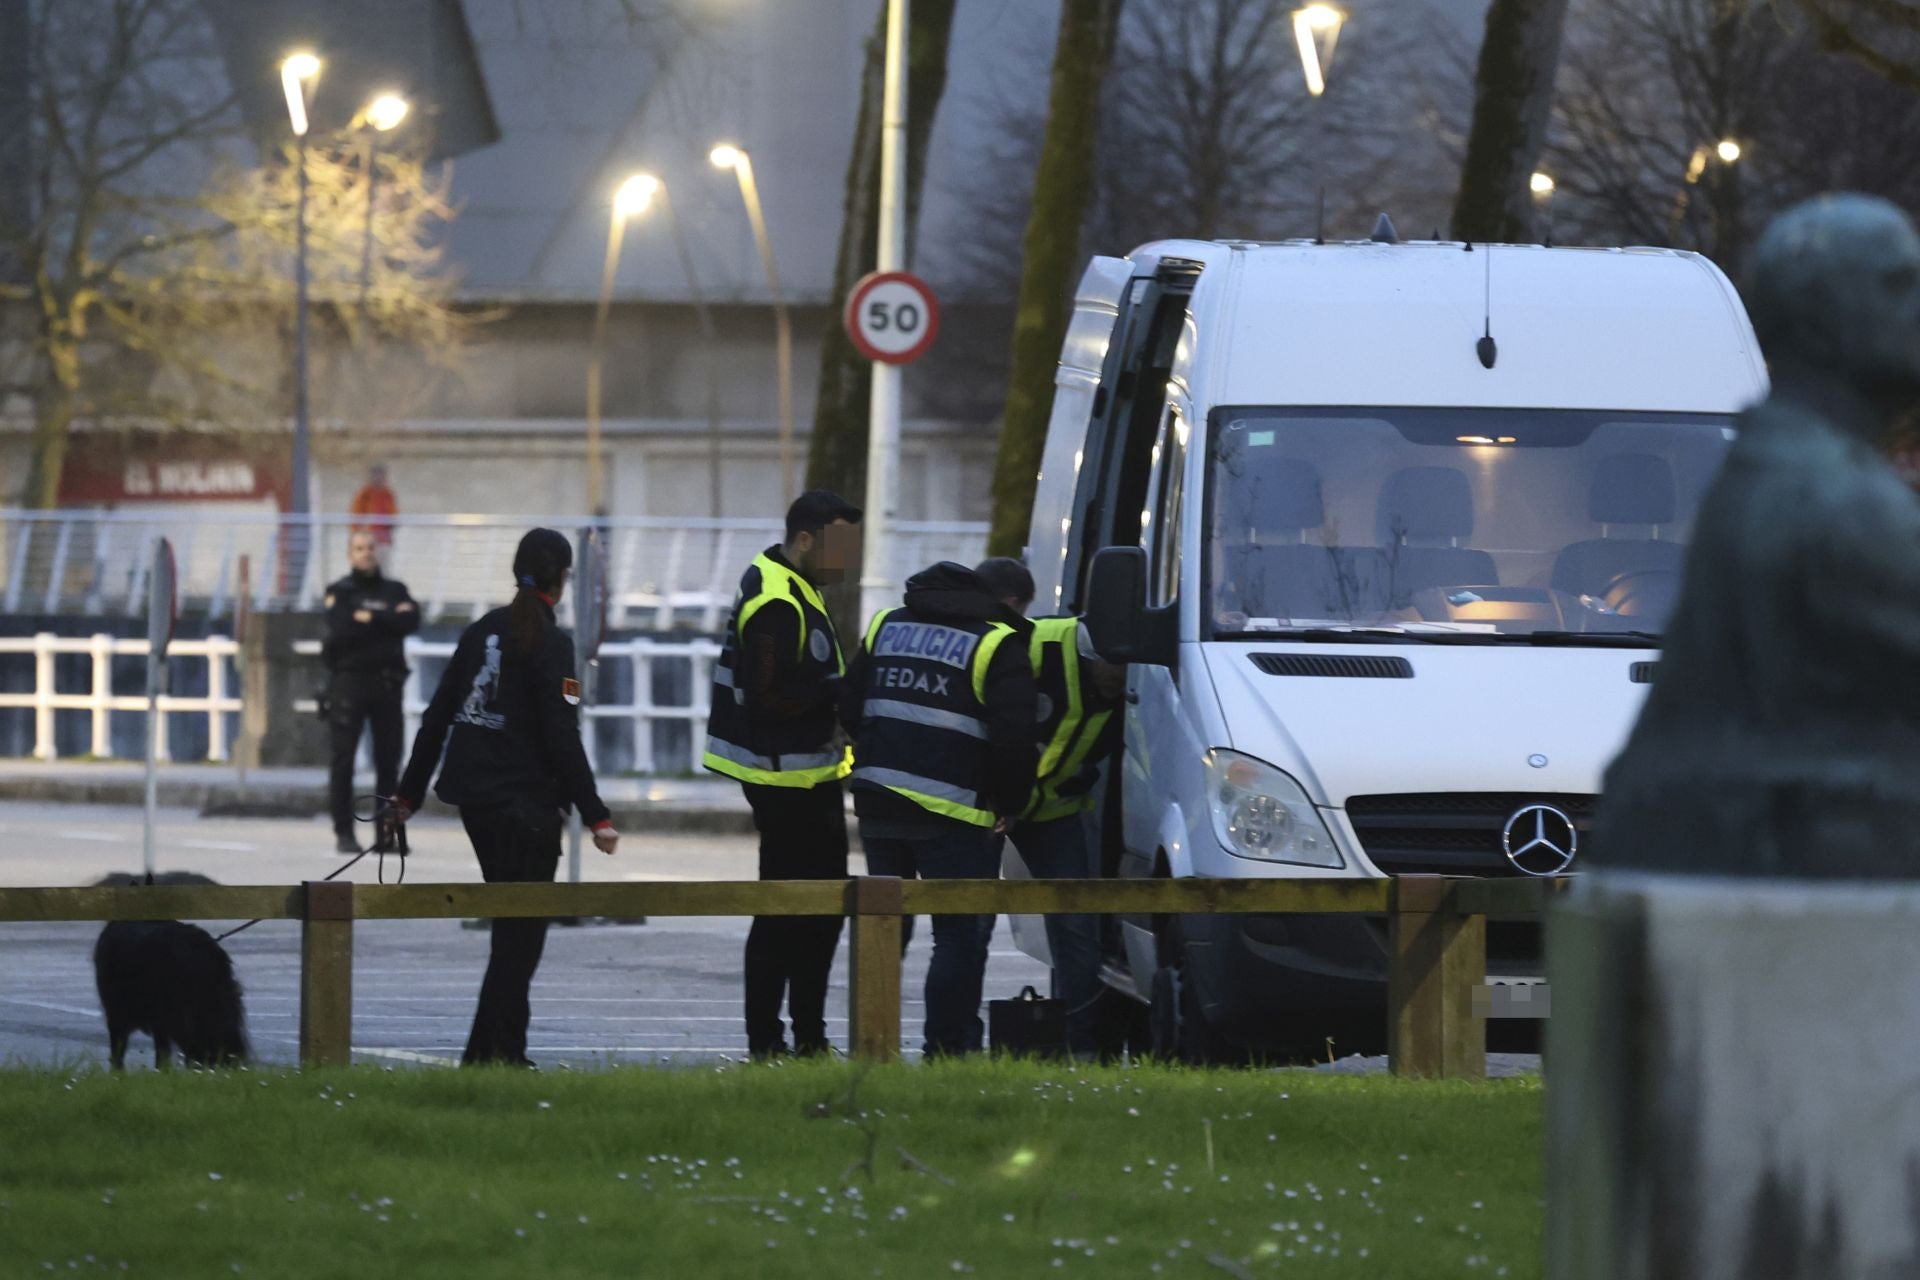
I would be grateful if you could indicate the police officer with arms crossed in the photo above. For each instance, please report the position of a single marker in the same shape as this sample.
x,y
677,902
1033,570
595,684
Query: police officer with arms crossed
x,y
1075,729
772,727
941,705
508,712
369,617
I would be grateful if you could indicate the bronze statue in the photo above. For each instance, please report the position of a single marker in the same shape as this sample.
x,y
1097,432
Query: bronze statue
x,y
1782,733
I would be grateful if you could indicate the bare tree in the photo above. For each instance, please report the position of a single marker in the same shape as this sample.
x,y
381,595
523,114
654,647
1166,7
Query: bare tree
x,y
1512,101
1882,35
150,249
1062,190
1653,88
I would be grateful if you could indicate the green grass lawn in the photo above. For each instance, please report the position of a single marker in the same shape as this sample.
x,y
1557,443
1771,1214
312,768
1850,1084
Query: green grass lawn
x,y
980,1168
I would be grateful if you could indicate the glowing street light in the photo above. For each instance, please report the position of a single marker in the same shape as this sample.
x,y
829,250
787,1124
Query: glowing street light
x,y
386,112
728,156
1542,184
296,69
635,195
1728,150
1316,28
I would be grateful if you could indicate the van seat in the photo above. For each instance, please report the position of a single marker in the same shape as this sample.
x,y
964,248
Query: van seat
x,y
1275,569
1424,513
1631,489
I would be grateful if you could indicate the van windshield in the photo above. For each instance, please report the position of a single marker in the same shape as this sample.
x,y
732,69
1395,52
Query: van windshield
x,y
1452,525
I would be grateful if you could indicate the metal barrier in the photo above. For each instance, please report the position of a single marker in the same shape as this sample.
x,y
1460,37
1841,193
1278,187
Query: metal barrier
x,y
99,700
640,712
1437,935
662,573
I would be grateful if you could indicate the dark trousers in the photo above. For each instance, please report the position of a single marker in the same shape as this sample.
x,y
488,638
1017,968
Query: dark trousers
x,y
1061,850
958,967
514,843
358,698
803,836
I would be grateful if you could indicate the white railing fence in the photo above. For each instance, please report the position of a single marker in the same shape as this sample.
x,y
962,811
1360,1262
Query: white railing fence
x,y
98,700
644,685
650,716
663,574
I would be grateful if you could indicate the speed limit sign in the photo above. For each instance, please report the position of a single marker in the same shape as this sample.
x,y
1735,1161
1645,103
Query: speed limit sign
x,y
892,317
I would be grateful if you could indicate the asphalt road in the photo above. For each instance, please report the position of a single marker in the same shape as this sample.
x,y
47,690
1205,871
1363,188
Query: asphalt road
x,y
667,991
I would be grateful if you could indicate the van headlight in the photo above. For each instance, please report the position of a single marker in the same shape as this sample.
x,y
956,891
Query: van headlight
x,y
1260,812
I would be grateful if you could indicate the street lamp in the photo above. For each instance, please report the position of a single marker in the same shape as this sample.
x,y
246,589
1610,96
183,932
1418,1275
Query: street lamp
x,y
703,316
298,71
383,115
1727,151
1543,186
1316,29
631,199
728,156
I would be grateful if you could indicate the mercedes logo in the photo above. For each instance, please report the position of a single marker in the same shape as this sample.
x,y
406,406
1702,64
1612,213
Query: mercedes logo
x,y
1540,840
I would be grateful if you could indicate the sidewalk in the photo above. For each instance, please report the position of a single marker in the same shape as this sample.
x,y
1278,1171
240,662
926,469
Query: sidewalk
x,y
706,805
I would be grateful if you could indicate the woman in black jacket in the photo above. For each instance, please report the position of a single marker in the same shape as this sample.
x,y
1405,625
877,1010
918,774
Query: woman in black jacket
x,y
514,767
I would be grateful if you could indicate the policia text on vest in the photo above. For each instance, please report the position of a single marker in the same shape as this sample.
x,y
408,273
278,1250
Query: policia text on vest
x,y
773,728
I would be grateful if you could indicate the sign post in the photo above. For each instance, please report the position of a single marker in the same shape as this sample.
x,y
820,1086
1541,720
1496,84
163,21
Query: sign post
x,y
892,317
589,629
163,606
242,615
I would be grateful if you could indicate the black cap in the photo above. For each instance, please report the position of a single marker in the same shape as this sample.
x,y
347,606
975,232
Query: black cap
x,y
815,509
543,555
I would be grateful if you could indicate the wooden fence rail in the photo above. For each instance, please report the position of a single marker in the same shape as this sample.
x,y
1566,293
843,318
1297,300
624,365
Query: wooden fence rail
x,y
1436,932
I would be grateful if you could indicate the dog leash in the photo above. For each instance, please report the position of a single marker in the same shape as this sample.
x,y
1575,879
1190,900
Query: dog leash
x,y
384,829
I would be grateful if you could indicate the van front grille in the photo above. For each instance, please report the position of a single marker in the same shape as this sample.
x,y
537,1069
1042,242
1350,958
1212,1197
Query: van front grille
x,y
1451,833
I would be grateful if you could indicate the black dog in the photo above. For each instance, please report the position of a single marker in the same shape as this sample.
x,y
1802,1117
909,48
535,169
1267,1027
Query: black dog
x,y
174,982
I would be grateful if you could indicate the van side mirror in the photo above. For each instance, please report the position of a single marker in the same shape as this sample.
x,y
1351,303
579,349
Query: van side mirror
x,y
1122,626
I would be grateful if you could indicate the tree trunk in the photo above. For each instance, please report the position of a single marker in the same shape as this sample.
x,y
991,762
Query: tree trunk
x,y
53,408
1512,100
837,452
1062,189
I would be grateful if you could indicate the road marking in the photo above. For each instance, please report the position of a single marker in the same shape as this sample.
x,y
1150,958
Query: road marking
x,y
224,846
56,1008
407,1055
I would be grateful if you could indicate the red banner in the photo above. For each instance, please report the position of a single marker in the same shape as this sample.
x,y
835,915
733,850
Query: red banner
x,y
116,467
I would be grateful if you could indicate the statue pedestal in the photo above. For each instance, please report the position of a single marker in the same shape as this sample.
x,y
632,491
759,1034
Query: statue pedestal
x,y
1734,1080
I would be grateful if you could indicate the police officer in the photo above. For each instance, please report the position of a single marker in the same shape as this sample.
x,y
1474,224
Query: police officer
x,y
1076,727
508,712
772,727
941,705
369,617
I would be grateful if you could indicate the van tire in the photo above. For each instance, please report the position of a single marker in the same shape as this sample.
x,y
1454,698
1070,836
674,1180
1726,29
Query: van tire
x,y
1178,1027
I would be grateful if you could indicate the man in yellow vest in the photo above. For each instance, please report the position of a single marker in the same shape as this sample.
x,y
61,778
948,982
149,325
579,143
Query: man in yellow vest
x,y
1076,723
940,703
772,726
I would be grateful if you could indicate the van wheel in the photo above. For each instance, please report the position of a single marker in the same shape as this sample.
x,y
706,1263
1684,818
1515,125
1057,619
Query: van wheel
x,y
1178,1027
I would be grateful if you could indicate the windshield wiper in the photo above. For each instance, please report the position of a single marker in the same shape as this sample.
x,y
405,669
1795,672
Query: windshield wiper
x,y
1597,639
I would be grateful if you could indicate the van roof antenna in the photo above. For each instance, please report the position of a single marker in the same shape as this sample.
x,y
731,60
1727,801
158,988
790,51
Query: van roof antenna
x,y
1383,232
1486,348
1320,219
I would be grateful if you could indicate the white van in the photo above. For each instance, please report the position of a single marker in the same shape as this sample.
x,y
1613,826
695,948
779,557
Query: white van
x,y
1388,532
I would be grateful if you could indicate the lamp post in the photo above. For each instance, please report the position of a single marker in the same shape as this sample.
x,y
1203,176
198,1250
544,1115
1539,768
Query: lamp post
x,y
631,199
728,156
877,588
1316,29
703,316
297,73
1727,151
383,115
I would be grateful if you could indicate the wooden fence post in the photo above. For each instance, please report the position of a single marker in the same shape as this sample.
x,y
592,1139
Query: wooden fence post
x,y
873,962
326,974
1438,956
